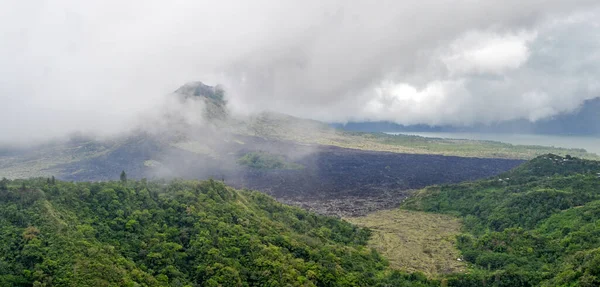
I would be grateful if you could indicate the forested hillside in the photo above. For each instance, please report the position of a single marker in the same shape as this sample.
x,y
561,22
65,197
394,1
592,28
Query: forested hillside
x,y
181,233
538,225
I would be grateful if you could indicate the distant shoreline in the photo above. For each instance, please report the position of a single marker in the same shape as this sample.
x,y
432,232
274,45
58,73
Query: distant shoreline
x,y
591,144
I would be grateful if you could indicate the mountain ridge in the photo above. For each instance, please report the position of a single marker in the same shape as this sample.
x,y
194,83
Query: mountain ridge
x,y
579,122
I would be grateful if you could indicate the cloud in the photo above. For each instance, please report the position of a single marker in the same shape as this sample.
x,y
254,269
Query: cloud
x,y
424,66
486,53
71,65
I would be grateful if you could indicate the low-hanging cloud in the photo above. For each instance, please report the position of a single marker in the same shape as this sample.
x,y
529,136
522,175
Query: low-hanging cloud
x,y
70,66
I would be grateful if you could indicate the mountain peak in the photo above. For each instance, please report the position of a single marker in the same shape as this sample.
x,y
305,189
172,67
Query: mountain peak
x,y
213,96
199,89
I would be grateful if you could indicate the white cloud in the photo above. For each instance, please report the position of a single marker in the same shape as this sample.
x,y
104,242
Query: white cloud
x,y
405,103
487,77
478,52
76,65
537,105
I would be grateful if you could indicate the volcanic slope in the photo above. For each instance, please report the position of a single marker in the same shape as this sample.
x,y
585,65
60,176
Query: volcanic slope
x,y
334,172
173,133
326,179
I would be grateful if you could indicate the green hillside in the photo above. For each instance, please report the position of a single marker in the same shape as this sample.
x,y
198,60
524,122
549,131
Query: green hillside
x,y
182,233
538,225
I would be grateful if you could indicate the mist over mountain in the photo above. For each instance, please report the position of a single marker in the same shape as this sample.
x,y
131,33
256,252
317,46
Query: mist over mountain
x,y
96,68
582,121
195,143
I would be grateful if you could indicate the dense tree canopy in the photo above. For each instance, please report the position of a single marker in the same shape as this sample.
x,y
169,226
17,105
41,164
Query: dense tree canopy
x,y
536,225
181,233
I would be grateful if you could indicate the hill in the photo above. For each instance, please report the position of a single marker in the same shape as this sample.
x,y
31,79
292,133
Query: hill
x,y
282,127
536,225
213,98
183,233
300,162
142,152
220,138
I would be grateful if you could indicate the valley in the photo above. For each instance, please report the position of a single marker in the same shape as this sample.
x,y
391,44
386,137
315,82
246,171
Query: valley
x,y
325,143
168,143
347,182
331,180
534,225
316,205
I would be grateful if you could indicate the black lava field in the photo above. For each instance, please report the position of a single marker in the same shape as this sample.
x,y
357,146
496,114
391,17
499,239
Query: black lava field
x,y
337,181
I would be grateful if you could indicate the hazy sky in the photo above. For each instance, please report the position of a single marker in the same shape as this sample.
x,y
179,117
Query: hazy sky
x,y
95,65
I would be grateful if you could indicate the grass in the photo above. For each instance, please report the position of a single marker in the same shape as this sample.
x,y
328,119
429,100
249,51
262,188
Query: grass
x,y
282,127
415,241
265,160
449,147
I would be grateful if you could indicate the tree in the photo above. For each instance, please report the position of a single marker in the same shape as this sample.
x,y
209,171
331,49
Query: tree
x,y
53,180
123,177
4,184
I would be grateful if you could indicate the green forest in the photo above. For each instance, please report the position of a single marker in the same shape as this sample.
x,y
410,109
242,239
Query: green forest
x,y
179,233
537,225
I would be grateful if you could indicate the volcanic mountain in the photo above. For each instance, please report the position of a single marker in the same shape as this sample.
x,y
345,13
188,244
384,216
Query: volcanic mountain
x,y
298,161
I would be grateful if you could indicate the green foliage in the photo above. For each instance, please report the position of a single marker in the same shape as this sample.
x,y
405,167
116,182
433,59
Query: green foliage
x,y
3,183
183,233
550,165
265,160
535,225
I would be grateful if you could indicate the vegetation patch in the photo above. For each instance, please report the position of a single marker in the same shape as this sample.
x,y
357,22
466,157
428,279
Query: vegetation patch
x,y
537,225
265,160
415,241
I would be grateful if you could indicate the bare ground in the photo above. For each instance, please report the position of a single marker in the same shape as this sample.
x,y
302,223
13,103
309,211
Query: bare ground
x,y
334,181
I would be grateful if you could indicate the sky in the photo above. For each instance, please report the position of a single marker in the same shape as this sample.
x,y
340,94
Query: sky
x,y
95,66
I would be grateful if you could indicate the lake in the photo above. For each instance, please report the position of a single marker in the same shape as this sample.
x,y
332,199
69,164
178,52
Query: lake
x,y
591,144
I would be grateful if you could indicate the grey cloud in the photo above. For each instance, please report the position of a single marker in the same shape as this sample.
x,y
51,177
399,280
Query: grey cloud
x,y
73,65
331,73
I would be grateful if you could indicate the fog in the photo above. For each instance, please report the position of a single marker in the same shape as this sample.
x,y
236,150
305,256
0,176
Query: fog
x,y
102,68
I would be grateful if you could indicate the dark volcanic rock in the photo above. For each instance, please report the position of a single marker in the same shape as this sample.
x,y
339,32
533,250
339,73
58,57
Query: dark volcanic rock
x,y
347,182
334,180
